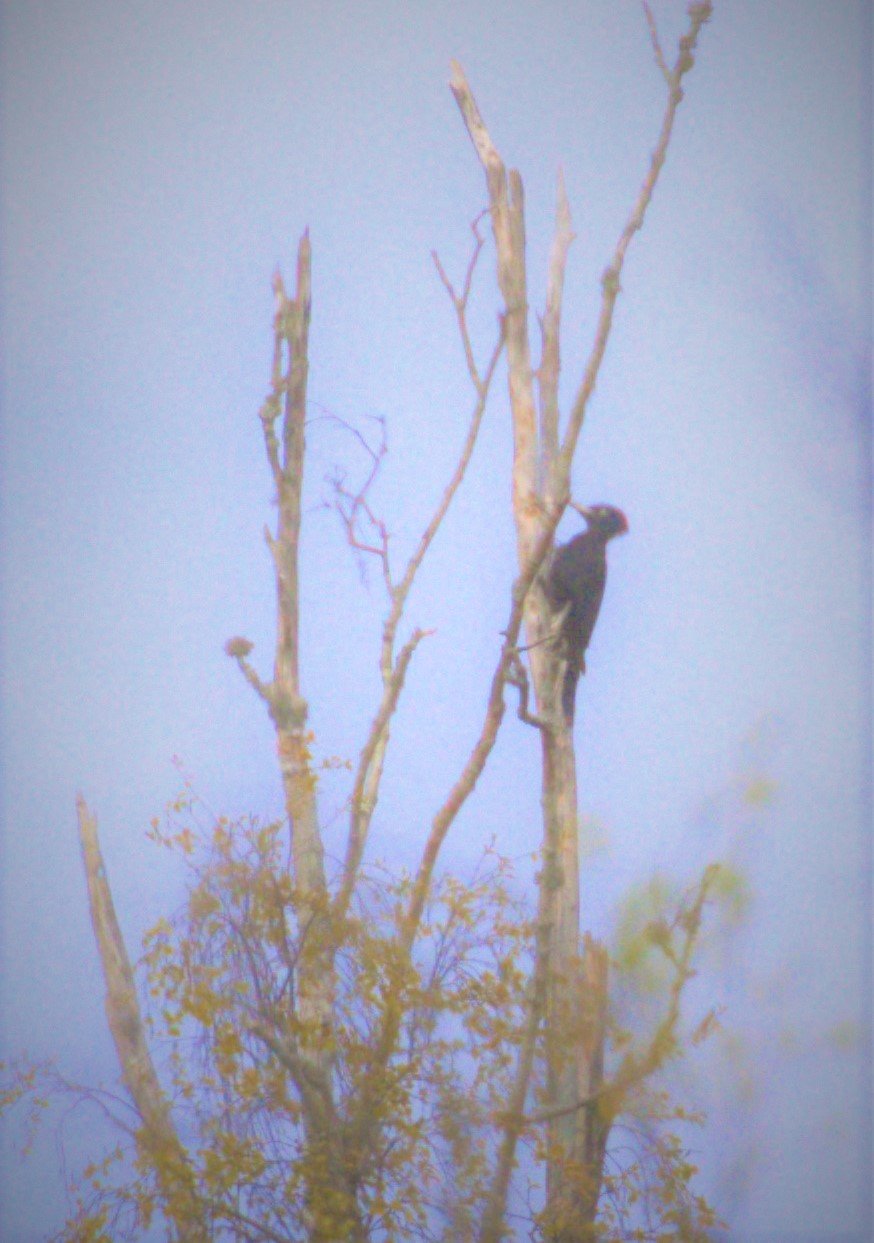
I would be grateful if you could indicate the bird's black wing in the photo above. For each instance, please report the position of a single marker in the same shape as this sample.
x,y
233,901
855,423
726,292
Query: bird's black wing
x,y
577,577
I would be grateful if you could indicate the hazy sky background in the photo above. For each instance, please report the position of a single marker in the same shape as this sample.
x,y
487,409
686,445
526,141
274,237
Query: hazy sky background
x,y
158,160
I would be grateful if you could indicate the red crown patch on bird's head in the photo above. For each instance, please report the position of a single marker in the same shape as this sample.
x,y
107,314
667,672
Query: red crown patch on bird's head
x,y
607,519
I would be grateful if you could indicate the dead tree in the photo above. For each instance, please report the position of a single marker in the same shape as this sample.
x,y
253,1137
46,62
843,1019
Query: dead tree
x,y
568,989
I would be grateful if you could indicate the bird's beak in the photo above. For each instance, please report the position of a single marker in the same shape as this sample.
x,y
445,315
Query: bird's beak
x,y
582,510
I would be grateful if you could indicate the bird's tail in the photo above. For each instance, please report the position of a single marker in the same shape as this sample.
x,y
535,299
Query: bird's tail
x,y
569,691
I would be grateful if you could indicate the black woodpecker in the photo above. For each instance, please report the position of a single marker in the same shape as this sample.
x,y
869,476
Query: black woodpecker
x,y
577,578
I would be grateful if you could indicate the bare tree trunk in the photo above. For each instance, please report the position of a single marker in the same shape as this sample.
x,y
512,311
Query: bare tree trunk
x,y
157,1137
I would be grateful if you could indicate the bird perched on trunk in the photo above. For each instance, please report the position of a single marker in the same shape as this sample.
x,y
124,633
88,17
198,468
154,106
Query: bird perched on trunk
x,y
576,581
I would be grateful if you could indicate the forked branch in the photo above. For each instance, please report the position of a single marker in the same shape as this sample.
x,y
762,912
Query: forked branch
x,y
352,505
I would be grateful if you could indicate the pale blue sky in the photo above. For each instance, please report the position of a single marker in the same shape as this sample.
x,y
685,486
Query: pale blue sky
x,y
157,162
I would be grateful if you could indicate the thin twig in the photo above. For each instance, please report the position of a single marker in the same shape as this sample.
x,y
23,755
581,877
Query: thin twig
x,y
656,45
403,587
357,502
460,301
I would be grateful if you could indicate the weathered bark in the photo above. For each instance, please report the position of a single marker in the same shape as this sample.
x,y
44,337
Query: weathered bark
x,y
157,1136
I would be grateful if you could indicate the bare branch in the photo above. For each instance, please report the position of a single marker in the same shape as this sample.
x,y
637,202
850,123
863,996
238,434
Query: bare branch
x,y
351,505
238,649
370,764
403,587
443,821
460,302
656,45
507,207
393,668
476,761
363,793
479,135
698,14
